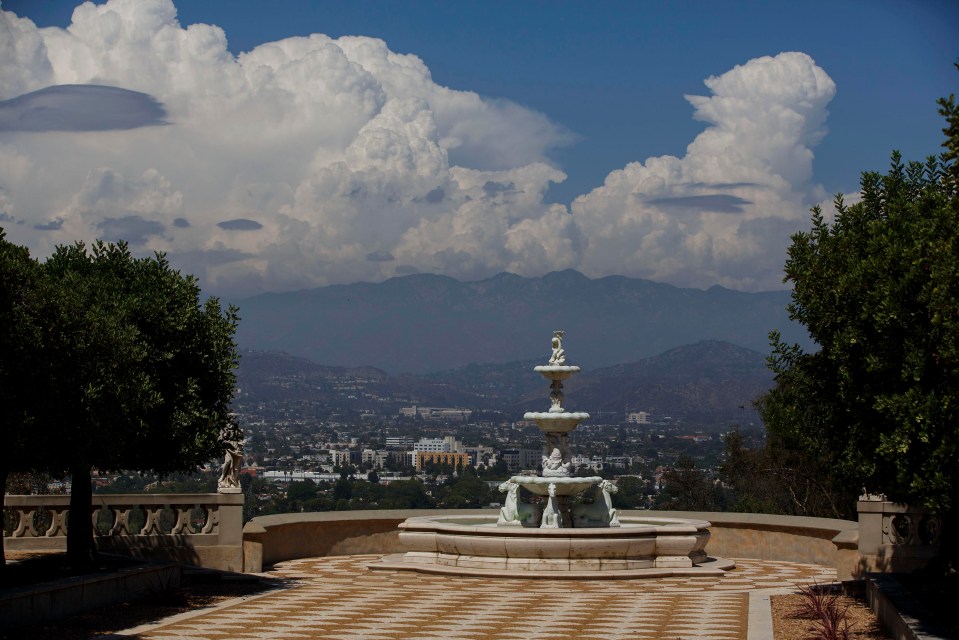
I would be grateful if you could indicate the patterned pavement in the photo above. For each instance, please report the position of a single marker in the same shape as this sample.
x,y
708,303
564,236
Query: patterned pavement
x,y
339,598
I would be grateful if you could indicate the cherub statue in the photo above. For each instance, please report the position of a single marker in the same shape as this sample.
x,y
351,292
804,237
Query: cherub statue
x,y
559,355
556,460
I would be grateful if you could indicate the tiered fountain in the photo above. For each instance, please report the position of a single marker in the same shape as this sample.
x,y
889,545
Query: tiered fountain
x,y
576,533
557,481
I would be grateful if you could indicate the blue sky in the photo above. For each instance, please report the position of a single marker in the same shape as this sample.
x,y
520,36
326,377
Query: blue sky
x,y
581,88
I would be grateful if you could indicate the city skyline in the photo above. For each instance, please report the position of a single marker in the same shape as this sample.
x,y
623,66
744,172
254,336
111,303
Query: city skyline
x,y
461,139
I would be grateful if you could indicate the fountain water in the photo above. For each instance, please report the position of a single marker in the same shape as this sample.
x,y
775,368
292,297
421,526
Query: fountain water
x,y
565,537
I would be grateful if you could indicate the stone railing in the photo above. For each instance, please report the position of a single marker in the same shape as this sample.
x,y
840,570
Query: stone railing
x,y
203,529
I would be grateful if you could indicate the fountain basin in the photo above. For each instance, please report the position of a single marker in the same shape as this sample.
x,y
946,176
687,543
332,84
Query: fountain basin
x,y
474,545
549,422
539,485
556,371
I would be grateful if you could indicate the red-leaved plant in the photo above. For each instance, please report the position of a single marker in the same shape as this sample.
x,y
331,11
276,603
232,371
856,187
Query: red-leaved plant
x,y
829,617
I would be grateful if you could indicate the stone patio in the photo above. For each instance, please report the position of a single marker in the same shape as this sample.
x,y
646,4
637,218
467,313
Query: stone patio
x,y
337,597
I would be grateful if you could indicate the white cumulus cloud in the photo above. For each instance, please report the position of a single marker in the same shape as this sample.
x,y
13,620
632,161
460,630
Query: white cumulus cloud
x,y
723,213
315,160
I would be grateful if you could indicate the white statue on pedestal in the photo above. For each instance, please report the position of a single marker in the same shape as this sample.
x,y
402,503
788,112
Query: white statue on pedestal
x,y
229,481
558,356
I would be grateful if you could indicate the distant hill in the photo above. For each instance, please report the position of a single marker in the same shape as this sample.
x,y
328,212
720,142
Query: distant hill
x,y
427,323
710,382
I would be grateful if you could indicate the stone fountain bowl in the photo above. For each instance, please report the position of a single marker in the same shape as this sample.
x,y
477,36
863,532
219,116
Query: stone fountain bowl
x,y
556,371
474,545
539,485
556,422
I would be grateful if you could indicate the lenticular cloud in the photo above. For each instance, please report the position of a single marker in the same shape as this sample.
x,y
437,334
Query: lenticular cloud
x,y
313,160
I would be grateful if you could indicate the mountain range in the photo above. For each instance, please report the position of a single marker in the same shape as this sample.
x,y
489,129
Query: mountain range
x,y
429,323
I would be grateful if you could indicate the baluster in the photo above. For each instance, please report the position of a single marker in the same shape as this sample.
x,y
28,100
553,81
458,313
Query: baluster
x,y
121,526
212,520
25,526
152,524
58,522
182,520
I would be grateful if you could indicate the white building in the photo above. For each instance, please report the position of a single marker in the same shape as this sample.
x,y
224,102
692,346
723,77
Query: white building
x,y
339,458
448,444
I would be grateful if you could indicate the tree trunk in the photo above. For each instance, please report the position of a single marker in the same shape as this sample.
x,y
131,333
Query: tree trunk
x,y
81,550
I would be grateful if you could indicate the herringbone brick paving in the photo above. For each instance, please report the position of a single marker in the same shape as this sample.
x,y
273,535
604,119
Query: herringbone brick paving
x,y
338,598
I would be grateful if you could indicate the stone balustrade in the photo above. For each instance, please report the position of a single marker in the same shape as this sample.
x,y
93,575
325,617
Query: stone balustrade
x,y
203,529
207,530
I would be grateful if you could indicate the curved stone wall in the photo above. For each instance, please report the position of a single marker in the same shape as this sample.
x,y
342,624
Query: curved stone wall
x,y
270,539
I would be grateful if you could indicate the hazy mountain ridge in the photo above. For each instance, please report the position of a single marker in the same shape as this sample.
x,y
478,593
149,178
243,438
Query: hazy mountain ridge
x,y
427,323
709,382
704,382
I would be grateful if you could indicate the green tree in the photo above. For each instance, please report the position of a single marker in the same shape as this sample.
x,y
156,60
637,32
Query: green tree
x,y
298,491
686,488
141,372
407,494
774,479
878,290
22,361
631,493
467,492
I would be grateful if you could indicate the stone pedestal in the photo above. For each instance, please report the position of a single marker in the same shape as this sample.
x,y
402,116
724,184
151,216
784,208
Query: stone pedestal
x,y
895,537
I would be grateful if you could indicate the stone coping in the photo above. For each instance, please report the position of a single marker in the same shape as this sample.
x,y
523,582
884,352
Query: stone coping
x,y
901,612
124,499
762,521
820,527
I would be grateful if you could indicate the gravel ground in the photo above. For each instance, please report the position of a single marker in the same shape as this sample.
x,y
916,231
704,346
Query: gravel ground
x,y
789,624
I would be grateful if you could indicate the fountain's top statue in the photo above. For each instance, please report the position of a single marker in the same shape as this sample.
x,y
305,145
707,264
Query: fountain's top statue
x,y
559,355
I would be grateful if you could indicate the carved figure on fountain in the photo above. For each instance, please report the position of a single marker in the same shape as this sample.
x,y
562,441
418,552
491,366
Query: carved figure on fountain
x,y
557,459
514,512
558,357
600,512
556,397
552,518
